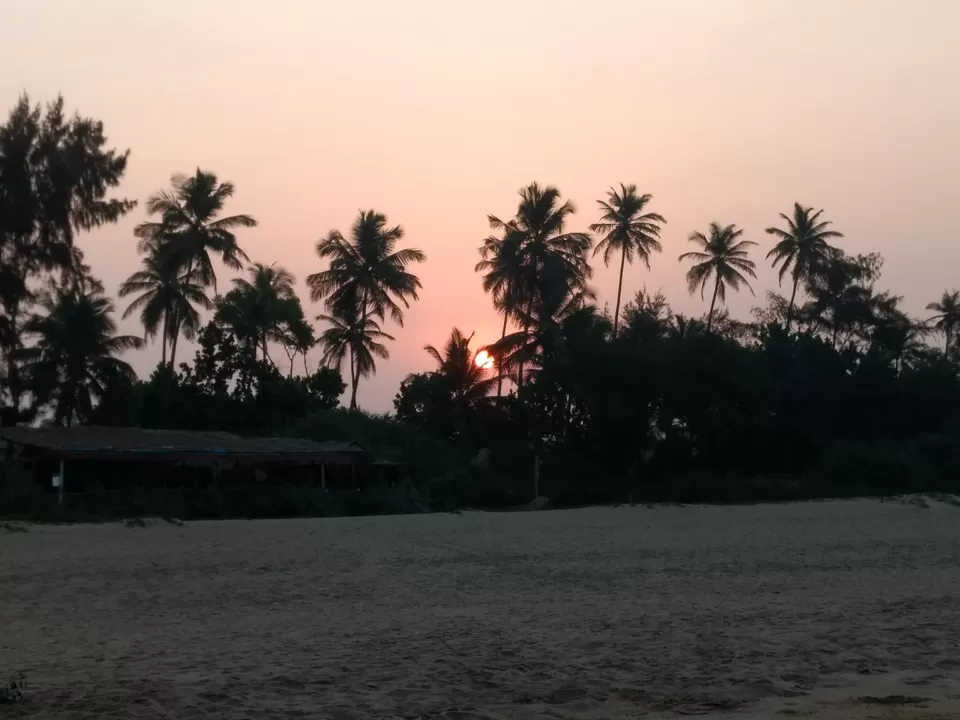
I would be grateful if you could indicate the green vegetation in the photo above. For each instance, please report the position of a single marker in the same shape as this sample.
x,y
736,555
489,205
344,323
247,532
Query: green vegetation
x,y
831,391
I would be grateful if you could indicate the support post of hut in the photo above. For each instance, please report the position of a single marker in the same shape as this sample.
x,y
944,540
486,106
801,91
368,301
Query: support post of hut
x,y
353,474
536,475
60,489
323,476
216,485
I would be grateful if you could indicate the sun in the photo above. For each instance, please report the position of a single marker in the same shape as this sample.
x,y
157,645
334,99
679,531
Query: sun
x,y
484,360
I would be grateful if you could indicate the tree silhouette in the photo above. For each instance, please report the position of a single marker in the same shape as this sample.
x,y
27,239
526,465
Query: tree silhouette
x,y
537,237
803,248
56,173
841,297
72,361
627,230
358,338
555,301
502,268
723,258
297,337
366,278
190,230
260,310
947,316
466,382
166,292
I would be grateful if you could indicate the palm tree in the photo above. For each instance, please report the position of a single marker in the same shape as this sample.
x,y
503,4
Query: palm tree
x,y
537,239
803,247
268,281
840,297
948,315
896,335
502,265
556,301
456,365
298,339
360,338
72,360
366,278
165,293
260,310
724,259
627,230
540,224
190,230
273,297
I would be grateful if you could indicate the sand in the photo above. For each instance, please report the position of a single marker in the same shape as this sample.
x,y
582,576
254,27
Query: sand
x,y
829,609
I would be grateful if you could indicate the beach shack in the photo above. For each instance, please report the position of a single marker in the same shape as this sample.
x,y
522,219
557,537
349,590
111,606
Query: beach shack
x,y
60,462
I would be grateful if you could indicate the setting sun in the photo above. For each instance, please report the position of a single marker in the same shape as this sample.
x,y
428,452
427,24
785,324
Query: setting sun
x,y
484,360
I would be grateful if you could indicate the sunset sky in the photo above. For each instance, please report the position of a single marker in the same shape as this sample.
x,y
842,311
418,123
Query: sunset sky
x,y
436,113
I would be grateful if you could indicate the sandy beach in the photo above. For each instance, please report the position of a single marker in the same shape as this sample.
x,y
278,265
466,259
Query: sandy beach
x,y
829,609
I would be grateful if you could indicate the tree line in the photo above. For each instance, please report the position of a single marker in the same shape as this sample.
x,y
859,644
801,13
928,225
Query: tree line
x,y
830,384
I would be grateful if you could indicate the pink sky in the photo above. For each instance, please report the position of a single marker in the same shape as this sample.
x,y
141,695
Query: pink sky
x,y
436,113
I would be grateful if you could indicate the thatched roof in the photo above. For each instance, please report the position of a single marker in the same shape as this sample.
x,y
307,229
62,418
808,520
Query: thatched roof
x,y
128,443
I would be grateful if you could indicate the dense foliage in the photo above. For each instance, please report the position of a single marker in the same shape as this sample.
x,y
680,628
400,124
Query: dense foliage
x,y
831,389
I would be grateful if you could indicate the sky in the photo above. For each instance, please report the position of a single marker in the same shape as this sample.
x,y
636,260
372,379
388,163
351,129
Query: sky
x,y
436,113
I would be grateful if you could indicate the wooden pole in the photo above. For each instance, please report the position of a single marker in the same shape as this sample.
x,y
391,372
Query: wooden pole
x,y
323,476
353,474
60,489
536,475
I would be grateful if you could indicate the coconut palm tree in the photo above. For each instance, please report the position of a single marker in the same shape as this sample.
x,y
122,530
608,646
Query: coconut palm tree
x,y
73,357
366,272
723,258
366,278
896,335
555,301
947,315
190,230
537,238
627,230
273,296
268,281
260,310
166,292
540,222
502,268
456,365
840,298
358,338
298,338
803,248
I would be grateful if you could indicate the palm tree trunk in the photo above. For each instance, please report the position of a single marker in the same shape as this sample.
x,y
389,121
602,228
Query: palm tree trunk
x,y
163,339
353,383
503,334
793,297
946,332
355,367
306,373
169,380
67,401
175,324
713,302
526,335
266,354
173,347
616,313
